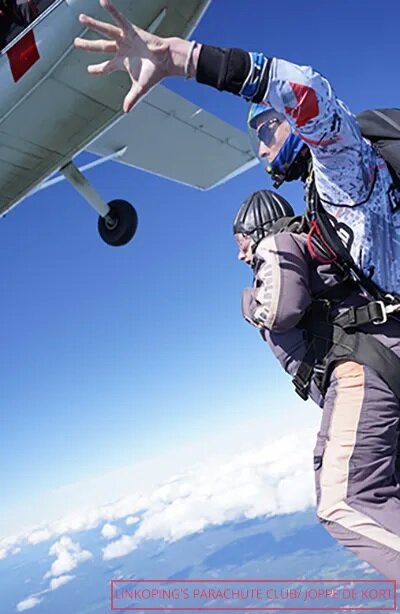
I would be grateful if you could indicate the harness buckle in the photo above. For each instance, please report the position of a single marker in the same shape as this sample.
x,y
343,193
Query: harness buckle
x,y
383,316
301,388
319,370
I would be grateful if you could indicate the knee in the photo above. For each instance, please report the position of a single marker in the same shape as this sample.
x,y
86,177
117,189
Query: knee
x,y
324,517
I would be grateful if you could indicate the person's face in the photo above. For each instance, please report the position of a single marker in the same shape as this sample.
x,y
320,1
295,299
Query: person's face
x,y
272,130
245,245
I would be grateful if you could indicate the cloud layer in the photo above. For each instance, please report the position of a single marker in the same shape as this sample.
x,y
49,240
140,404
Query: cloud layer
x,y
265,480
275,478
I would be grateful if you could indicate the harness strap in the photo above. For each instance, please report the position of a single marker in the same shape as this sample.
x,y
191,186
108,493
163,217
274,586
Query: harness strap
x,y
338,292
317,348
373,312
320,220
365,350
305,372
332,341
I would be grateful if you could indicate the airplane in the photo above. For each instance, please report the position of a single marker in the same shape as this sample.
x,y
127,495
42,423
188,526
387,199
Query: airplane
x,y
51,110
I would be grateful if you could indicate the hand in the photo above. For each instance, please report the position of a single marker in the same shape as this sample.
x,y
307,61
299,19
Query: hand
x,y
144,56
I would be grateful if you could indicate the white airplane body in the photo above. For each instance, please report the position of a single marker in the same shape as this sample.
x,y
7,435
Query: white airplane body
x,y
51,109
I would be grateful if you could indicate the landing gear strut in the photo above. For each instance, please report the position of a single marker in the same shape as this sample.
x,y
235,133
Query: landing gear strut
x,y
118,219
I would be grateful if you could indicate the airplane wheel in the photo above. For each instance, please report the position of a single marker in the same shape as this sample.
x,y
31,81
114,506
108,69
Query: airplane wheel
x,y
120,225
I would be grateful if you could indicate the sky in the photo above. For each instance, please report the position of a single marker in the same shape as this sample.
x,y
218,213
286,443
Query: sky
x,y
115,356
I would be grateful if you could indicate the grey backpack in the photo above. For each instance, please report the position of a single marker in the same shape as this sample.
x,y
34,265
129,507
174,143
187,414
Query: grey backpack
x,y
382,128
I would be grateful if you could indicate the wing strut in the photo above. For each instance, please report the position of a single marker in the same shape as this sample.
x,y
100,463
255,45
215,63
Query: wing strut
x,y
113,156
78,180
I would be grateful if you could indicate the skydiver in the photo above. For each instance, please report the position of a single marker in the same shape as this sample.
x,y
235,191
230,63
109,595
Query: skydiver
x,y
295,301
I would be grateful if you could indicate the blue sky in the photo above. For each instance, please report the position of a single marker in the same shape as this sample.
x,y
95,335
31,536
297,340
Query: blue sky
x,y
113,355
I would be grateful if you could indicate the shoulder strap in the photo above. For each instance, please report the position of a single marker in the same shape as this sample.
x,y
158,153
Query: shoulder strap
x,y
297,224
321,224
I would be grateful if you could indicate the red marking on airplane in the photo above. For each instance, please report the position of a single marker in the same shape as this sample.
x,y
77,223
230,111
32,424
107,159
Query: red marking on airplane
x,y
23,55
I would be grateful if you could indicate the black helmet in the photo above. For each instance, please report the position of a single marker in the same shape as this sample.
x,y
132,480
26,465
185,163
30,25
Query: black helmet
x,y
259,212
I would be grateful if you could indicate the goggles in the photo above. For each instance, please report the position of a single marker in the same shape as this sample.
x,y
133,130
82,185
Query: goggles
x,y
264,132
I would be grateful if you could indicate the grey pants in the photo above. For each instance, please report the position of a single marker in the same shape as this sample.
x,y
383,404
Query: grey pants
x,y
357,467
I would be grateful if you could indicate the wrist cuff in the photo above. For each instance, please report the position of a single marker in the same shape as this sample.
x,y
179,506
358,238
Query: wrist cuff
x,y
223,69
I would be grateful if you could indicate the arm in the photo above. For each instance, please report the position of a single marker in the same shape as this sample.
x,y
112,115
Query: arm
x,y
344,163
280,293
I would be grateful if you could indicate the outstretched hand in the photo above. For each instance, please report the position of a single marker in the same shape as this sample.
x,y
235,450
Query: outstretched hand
x,y
144,56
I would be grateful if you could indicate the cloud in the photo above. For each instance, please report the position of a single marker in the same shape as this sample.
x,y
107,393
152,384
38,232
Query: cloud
x,y
367,569
274,479
109,531
34,600
57,582
132,520
121,547
41,535
81,520
28,604
69,555
9,545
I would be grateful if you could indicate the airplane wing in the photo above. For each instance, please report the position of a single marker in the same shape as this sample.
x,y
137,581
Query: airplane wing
x,y
169,136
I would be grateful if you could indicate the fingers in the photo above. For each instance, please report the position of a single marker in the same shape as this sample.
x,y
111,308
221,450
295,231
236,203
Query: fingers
x,y
104,68
105,46
132,97
115,14
107,29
